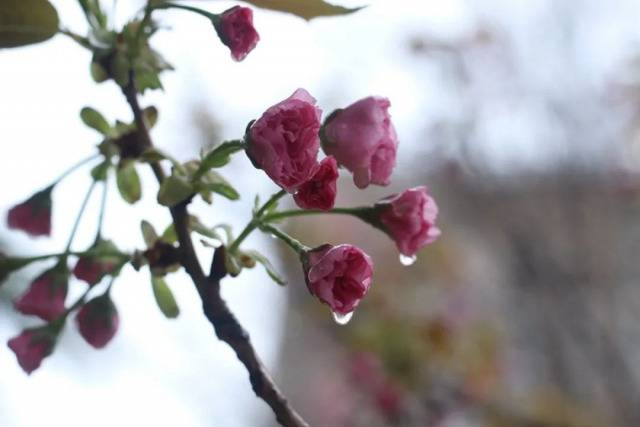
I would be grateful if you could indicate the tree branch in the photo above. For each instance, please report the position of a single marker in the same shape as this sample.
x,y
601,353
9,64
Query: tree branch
x,y
225,324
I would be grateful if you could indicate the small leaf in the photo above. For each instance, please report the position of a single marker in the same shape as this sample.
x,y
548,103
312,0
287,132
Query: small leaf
x,y
218,157
148,233
169,236
120,68
24,22
150,115
307,9
129,182
164,298
271,271
98,73
256,205
152,155
99,173
95,120
174,189
200,228
213,181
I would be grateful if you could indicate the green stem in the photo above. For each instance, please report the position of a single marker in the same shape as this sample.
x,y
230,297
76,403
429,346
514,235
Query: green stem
x,y
287,214
255,222
209,15
74,167
103,206
27,260
79,216
294,244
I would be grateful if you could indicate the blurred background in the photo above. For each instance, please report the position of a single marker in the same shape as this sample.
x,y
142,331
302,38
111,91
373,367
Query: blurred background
x,y
521,116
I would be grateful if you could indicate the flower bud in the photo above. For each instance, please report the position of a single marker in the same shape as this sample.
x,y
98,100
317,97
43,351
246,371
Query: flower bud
x,y
46,296
97,262
235,29
320,191
338,276
33,345
98,321
33,216
409,218
284,142
362,139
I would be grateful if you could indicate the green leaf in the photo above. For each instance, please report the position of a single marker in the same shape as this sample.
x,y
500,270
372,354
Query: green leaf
x,y
95,120
200,228
24,22
129,182
150,115
169,236
99,173
152,155
271,271
218,157
120,68
213,181
98,73
307,9
148,233
164,298
174,189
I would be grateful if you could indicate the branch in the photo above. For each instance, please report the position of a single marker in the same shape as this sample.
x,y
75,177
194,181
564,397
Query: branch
x,y
225,324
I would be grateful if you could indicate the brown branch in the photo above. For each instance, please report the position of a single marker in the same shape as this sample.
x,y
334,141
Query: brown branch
x,y
225,324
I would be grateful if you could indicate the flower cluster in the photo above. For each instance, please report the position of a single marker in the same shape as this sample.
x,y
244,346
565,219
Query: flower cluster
x,y
285,142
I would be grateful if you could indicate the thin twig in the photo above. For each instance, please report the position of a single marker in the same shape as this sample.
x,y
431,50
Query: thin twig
x,y
224,322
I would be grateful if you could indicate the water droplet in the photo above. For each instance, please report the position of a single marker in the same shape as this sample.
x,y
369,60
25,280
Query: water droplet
x,y
273,236
342,319
407,260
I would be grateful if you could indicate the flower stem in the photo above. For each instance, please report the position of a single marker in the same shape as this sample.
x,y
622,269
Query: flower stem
x,y
74,167
79,216
103,206
209,15
294,244
257,219
287,214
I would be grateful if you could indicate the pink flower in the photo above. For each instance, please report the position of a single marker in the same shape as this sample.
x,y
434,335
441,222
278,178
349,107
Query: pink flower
x,y
284,142
320,191
92,269
31,346
33,216
46,296
410,219
338,276
102,259
235,29
98,321
362,138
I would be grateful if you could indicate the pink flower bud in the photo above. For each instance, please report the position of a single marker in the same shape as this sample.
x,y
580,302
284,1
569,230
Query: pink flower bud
x,y
96,263
46,296
98,321
235,29
410,219
284,142
33,216
362,138
320,191
31,346
92,270
338,276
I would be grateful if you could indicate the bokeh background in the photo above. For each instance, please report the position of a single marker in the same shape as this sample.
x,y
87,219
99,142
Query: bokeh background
x,y
522,118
